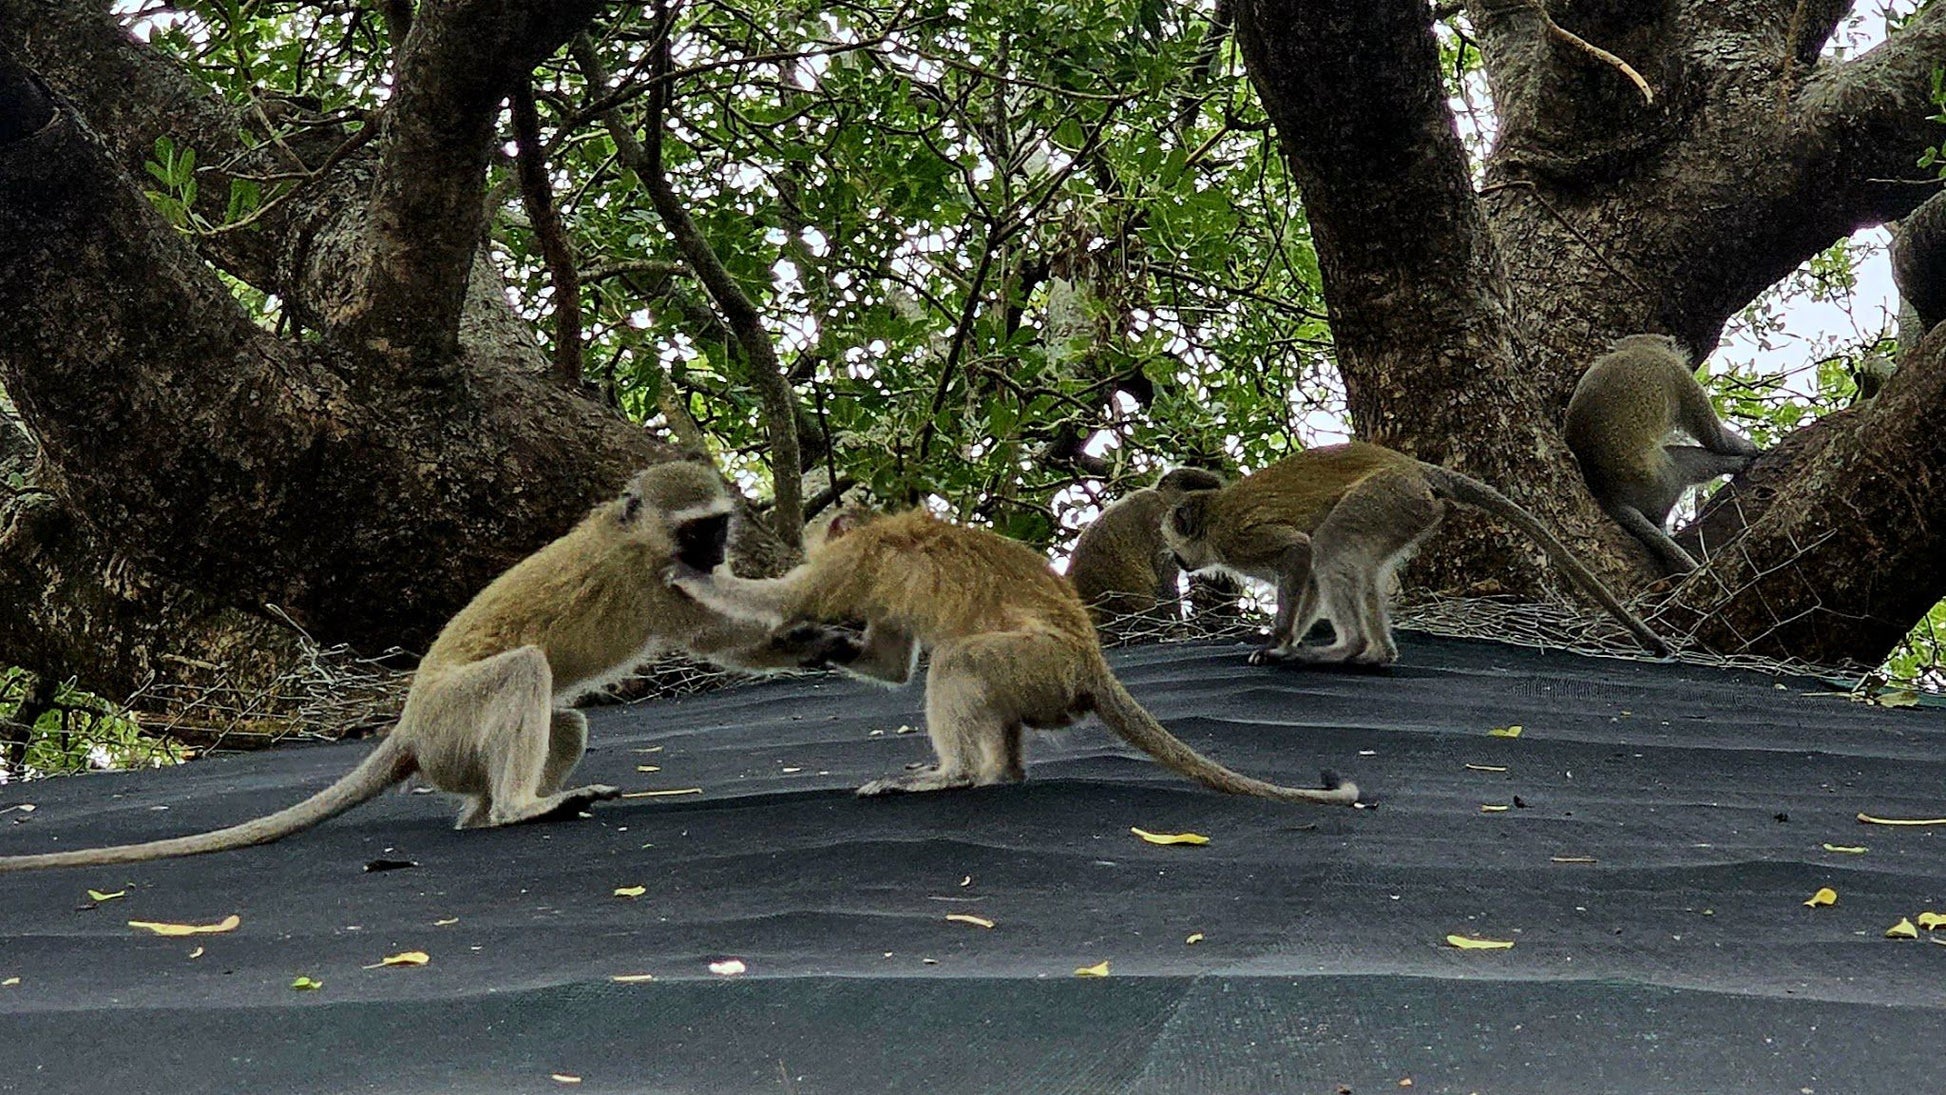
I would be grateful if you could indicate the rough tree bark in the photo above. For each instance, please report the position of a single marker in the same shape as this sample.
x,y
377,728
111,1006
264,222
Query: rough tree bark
x,y
1463,314
366,477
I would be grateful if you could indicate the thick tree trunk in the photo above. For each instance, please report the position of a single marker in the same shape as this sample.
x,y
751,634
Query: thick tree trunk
x,y
1464,316
367,479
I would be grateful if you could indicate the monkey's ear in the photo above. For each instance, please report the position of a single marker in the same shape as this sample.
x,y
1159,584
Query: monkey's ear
x,y
844,521
1188,517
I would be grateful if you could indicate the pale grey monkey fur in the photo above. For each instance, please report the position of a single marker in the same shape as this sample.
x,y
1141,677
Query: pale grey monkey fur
x,y
1619,422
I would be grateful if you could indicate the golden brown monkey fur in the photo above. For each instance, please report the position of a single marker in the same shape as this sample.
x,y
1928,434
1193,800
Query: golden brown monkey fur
x,y
1329,526
1120,566
1012,646
1622,413
486,717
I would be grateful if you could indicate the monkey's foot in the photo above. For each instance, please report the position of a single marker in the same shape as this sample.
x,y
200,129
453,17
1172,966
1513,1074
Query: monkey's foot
x,y
1332,658
926,779
1272,655
556,807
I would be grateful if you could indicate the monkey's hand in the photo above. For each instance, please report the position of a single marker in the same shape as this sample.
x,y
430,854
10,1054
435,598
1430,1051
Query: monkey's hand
x,y
822,647
685,579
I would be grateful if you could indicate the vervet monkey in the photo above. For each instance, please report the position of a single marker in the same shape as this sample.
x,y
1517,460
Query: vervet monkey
x,y
486,717
1328,526
1012,647
1622,412
1120,566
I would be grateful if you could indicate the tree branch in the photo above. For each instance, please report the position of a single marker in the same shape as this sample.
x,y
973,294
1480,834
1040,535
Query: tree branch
x,y
1919,262
538,197
426,219
1355,94
1849,553
1811,26
739,312
1865,121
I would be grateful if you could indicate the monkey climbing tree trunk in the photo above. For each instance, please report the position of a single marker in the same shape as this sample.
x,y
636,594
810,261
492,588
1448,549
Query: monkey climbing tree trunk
x,y
365,472
1463,313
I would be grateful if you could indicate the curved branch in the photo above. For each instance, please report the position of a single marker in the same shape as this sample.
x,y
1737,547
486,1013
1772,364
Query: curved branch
x,y
538,196
426,218
1866,121
1919,262
767,373
1849,553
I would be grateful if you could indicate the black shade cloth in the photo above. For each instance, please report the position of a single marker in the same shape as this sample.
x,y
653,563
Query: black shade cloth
x,y
1682,959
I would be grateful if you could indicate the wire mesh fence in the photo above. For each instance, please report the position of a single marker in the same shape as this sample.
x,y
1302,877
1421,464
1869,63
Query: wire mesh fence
x,y
333,692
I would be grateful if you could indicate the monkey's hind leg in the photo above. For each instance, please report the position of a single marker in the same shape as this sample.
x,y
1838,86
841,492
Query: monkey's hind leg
x,y
567,740
514,737
978,694
1356,548
1668,554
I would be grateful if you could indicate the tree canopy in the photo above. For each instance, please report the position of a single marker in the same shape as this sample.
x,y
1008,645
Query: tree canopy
x,y
340,307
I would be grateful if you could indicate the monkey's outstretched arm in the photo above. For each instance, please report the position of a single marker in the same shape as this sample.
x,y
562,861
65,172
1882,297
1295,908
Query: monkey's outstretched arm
x,y
742,644
765,601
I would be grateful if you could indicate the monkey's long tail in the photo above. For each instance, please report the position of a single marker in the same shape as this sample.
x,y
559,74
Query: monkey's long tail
x,y
1136,726
387,765
1472,492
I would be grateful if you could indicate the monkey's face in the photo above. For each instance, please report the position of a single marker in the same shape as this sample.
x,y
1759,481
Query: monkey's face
x,y
701,541
1182,535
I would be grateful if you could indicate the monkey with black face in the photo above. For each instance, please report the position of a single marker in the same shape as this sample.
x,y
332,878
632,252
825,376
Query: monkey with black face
x,y
487,718
1012,647
1329,526
1120,566
1623,410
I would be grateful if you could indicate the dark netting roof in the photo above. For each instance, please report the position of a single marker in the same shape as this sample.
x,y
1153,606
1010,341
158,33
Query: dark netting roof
x,y
1682,959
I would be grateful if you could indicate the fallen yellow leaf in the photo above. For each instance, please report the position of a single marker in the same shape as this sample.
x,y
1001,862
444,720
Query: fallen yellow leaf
x,y
1169,838
1574,859
729,967
1505,731
197,953
1846,849
97,895
443,923
1825,896
307,984
632,978
1194,938
1468,943
1902,930
630,891
1486,767
9,983
229,923
1100,969
1870,820
663,794
1930,920
648,767
403,958
563,1078
1489,808
968,918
